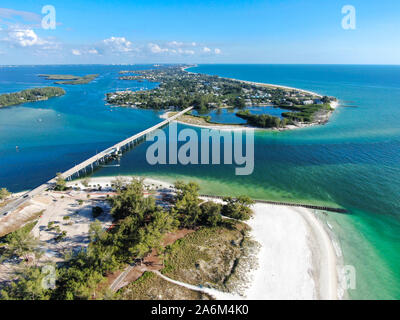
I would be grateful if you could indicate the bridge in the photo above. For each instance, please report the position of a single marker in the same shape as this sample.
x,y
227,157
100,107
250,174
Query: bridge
x,y
91,163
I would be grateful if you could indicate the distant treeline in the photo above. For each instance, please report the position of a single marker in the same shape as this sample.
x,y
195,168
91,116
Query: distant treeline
x,y
262,120
70,79
300,113
305,113
30,95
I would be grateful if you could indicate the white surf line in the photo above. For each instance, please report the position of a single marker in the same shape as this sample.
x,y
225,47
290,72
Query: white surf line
x,y
218,295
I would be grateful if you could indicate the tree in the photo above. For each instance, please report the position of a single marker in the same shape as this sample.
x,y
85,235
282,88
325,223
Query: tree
x,y
119,183
238,208
20,243
151,235
131,202
85,182
210,214
29,286
4,193
187,204
61,184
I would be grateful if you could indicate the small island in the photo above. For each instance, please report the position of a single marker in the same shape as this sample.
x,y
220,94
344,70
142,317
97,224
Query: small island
x,y
30,95
69,79
179,89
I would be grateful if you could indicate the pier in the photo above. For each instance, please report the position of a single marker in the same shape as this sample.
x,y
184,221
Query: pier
x,y
290,204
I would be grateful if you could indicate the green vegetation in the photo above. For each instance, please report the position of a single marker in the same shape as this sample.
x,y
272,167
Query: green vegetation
x,y
180,89
206,256
4,193
307,113
151,287
29,286
262,120
85,182
29,95
61,235
210,214
238,208
70,79
187,204
139,227
19,243
61,184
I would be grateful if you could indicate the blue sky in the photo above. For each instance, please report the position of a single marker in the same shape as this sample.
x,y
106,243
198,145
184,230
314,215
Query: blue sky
x,y
146,31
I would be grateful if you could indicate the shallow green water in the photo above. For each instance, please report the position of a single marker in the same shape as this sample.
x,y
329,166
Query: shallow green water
x,y
353,161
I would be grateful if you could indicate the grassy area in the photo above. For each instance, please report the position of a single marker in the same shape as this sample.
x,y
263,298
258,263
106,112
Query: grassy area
x,y
29,95
206,257
70,79
305,113
25,230
24,223
152,287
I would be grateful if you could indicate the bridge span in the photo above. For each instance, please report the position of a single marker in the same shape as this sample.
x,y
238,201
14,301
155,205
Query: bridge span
x,y
90,163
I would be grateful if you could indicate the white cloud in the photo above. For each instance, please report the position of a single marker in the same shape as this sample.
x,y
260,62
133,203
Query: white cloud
x,y
79,52
24,38
26,15
179,44
76,52
155,48
175,44
118,44
217,51
190,52
206,50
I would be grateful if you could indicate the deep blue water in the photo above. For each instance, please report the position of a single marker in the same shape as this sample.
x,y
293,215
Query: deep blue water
x,y
353,161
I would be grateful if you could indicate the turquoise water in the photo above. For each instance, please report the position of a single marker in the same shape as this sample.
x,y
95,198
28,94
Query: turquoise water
x,y
228,115
353,161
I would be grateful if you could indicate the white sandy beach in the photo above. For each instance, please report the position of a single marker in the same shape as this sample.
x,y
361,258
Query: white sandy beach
x,y
296,260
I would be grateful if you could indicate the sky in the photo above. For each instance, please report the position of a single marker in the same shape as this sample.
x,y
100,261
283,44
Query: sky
x,y
148,31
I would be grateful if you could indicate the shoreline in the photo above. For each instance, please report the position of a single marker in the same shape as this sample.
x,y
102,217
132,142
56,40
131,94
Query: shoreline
x,y
333,104
297,259
261,83
233,127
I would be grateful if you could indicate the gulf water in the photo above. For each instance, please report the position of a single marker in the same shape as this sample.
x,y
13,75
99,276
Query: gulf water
x,y
352,162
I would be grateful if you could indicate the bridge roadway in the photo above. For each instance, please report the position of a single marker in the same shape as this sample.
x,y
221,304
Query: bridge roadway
x,y
99,157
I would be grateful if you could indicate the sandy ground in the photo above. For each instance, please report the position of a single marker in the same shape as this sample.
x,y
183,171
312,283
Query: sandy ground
x,y
66,204
297,259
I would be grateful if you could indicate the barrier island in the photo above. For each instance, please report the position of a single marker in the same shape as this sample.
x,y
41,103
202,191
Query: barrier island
x,y
30,95
179,89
